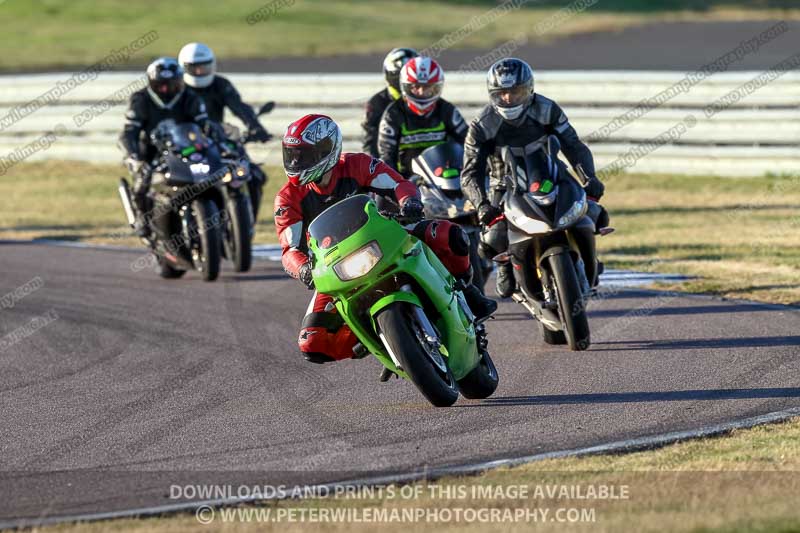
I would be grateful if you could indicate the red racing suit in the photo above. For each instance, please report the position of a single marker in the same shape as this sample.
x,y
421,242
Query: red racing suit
x,y
323,335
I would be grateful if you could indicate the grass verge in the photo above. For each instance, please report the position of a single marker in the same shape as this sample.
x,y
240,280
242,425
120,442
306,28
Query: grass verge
x,y
747,481
739,237
81,32
78,201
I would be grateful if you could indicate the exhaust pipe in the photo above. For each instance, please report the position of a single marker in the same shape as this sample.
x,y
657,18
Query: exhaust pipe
x,y
125,196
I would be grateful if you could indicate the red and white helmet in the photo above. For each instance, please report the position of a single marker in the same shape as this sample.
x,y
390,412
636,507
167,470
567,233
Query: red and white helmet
x,y
421,82
311,147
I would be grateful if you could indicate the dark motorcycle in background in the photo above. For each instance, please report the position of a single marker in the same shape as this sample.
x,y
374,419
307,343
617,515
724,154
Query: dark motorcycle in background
x,y
234,145
551,243
437,175
196,202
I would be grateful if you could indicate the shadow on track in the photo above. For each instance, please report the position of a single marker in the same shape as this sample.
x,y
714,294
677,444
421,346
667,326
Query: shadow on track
x,y
698,344
641,397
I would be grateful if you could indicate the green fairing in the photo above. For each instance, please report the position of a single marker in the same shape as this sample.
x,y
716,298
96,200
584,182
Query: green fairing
x,y
403,254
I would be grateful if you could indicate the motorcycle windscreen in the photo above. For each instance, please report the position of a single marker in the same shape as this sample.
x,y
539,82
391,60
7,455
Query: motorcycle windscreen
x,y
339,221
185,137
535,173
178,172
442,164
569,192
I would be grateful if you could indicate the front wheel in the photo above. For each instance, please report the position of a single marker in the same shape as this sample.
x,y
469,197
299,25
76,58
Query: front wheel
x,y
239,232
570,302
481,382
206,252
406,339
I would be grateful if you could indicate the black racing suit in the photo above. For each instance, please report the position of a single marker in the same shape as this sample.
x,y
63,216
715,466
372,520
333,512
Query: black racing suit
x,y
372,120
141,118
221,94
403,134
489,133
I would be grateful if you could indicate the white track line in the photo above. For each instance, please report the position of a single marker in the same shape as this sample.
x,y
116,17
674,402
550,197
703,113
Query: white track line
x,y
624,446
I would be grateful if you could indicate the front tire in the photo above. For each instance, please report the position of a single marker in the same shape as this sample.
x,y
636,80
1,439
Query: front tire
x,y
208,257
481,382
570,302
398,326
239,229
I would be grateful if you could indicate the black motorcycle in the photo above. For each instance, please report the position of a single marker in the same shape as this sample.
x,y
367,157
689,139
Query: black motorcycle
x,y
234,144
437,174
186,194
551,242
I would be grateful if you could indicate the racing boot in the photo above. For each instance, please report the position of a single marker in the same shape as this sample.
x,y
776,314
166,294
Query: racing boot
x,y
481,306
505,283
142,223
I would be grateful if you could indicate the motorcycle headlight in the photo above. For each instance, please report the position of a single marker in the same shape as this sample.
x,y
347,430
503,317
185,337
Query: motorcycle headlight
x,y
242,168
575,212
199,168
359,263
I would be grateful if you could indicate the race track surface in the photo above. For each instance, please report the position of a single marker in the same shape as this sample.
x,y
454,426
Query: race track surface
x,y
134,384
681,46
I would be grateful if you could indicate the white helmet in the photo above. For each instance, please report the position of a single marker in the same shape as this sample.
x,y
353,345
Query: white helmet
x,y
199,65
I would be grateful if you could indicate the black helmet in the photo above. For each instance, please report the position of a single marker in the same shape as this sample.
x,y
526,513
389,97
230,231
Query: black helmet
x,y
165,80
392,64
510,84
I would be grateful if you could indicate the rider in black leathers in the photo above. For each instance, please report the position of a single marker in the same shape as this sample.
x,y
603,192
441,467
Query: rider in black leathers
x,y
165,97
199,65
516,117
379,101
420,119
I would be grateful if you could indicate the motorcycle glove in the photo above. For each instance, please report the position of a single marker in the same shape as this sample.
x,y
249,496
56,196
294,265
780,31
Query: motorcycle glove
x,y
259,134
488,212
595,188
412,210
304,275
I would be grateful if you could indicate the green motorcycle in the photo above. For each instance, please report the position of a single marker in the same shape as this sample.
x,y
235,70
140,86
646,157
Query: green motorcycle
x,y
400,301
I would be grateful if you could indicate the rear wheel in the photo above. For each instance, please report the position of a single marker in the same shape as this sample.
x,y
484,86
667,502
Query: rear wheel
x,y
206,254
239,232
570,302
417,355
482,380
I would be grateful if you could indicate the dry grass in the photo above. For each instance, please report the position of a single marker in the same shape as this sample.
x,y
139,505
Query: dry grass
x,y
79,202
738,236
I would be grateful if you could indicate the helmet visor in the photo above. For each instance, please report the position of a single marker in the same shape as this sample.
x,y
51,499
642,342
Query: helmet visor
x,y
166,88
302,157
422,91
199,69
510,97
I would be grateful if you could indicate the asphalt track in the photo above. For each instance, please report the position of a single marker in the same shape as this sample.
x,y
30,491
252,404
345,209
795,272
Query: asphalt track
x,y
139,384
680,46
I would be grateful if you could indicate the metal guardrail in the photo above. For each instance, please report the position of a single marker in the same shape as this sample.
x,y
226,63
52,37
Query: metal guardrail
x,y
758,134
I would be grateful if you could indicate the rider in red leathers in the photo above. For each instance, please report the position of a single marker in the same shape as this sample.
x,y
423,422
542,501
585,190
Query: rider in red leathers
x,y
319,176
